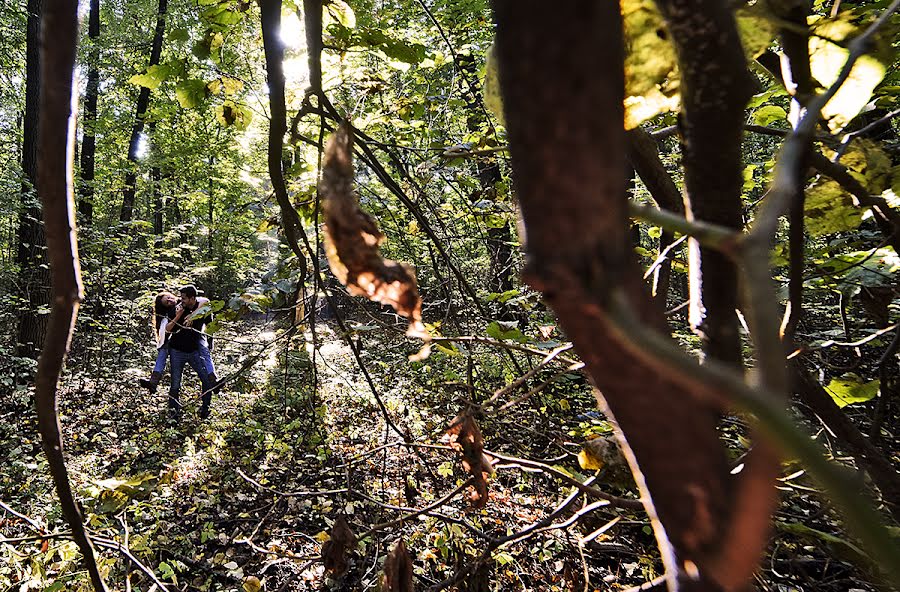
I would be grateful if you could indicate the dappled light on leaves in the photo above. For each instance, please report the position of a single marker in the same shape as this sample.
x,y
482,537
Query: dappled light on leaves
x,y
464,436
353,237
334,551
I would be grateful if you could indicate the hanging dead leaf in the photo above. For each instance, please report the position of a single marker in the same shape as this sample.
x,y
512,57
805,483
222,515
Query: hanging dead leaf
x,y
464,436
398,570
352,238
334,550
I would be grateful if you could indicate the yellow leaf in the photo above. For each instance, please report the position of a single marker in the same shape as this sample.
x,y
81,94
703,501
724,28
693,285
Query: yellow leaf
x,y
323,536
252,584
588,461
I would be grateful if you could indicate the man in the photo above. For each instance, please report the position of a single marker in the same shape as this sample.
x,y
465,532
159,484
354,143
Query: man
x,y
187,344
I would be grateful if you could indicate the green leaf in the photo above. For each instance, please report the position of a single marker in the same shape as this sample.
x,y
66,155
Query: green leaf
x,y
769,114
153,77
651,73
756,28
190,93
341,12
826,59
230,113
505,330
179,34
221,16
830,209
166,571
850,388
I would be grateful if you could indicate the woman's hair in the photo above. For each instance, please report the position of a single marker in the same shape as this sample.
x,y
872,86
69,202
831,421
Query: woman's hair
x,y
160,310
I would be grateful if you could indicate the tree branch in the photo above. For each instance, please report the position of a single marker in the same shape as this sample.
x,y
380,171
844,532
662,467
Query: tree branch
x,y
55,149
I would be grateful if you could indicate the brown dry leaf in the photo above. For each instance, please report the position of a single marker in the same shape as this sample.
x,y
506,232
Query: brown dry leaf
x,y
334,550
398,570
352,238
463,435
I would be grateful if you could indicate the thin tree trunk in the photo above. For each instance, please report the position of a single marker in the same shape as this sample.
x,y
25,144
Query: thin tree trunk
x,y
210,202
716,85
643,153
34,277
60,35
88,142
143,103
274,49
158,207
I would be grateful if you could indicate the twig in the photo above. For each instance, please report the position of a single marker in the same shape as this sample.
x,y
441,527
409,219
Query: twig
x,y
616,502
845,142
288,493
525,377
54,184
721,238
437,504
885,363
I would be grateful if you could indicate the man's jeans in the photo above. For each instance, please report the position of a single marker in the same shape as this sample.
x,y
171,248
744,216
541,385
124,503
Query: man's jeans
x,y
195,360
203,350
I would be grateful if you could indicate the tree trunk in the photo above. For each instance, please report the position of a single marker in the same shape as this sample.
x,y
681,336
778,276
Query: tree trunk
x,y
34,277
564,111
274,49
158,207
143,102
60,36
715,87
88,142
643,153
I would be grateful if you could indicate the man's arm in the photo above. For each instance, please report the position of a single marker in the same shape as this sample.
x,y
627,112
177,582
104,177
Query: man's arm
x,y
201,302
179,312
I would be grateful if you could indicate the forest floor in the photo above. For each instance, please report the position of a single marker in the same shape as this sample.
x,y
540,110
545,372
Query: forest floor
x,y
248,497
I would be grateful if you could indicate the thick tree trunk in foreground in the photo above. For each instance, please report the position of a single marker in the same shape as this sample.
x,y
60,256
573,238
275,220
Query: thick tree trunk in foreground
x,y
57,137
561,75
715,87
34,278
143,103
89,143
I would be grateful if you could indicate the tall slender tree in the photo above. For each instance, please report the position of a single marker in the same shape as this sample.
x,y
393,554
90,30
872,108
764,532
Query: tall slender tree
x,y
89,142
34,277
143,102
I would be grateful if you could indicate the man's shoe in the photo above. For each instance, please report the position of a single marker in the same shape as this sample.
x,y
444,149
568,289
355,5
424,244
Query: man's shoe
x,y
204,412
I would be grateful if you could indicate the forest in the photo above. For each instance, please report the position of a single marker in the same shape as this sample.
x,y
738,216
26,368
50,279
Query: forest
x,y
475,295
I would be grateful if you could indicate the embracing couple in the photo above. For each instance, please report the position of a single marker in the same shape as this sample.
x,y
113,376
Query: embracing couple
x,y
179,325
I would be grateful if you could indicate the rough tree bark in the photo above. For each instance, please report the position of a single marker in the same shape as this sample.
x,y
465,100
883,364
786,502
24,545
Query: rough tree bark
x,y
715,86
34,278
564,114
57,141
143,102
89,142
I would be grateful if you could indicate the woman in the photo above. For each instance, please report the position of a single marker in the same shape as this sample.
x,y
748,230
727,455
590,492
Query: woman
x,y
163,311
